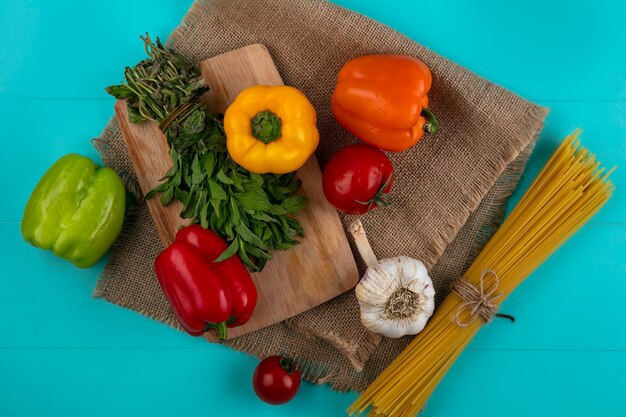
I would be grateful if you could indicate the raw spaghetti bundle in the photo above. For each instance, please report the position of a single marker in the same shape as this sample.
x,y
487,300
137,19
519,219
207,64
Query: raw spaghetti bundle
x,y
568,191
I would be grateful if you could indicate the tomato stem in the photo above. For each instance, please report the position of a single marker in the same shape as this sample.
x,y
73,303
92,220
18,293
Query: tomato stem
x,y
380,198
287,364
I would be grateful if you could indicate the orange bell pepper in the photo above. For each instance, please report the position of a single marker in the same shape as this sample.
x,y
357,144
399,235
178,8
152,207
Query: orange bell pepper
x,y
382,100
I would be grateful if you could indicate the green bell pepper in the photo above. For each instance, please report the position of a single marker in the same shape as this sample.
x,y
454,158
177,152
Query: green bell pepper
x,y
76,209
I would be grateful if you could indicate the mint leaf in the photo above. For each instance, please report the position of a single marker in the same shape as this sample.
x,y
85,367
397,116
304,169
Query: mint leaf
x,y
294,204
223,178
262,217
217,192
295,226
256,178
209,163
236,179
158,189
197,174
276,209
259,253
243,251
121,91
216,204
286,245
167,195
246,234
232,249
134,116
256,201
204,216
234,212
181,195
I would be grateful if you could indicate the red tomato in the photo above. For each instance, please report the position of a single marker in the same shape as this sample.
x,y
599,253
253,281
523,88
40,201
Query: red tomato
x,y
357,178
276,380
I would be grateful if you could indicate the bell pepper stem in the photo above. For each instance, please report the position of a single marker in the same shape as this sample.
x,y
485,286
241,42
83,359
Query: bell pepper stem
x,y
432,125
266,126
221,331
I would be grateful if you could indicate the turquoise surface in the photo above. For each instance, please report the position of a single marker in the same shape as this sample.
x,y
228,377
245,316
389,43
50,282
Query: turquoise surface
x,y
63,353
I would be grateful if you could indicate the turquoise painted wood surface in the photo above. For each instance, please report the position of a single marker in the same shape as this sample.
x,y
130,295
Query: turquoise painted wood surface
x,y
63,353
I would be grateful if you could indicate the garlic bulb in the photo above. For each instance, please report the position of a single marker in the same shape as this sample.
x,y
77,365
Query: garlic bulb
x,y
396,295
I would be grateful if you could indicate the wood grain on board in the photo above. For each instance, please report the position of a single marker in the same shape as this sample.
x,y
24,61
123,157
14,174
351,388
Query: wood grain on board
x,y
321,267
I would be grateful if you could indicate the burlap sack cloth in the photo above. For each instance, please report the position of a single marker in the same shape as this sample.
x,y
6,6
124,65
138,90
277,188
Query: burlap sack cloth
x,y
449,191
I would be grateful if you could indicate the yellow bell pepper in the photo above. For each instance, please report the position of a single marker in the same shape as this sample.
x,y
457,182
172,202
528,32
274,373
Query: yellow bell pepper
x,y
271,129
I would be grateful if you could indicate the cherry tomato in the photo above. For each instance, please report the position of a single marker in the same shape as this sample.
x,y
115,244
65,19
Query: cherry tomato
x,y
276,380
357,178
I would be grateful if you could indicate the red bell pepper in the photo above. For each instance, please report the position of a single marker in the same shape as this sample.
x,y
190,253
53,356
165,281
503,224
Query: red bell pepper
x,y
205,294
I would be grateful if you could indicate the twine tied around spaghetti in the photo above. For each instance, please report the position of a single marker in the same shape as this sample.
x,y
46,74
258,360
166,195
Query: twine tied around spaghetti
x,y
478,301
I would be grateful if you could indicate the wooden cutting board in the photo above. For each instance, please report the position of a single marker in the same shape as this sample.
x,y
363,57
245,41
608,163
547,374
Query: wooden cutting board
x,y
321,267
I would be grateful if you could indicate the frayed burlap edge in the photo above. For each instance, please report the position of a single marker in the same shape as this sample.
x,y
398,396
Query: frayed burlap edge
x,y
356,353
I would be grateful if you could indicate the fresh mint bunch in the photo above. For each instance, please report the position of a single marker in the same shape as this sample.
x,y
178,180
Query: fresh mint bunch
x,y
252,211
